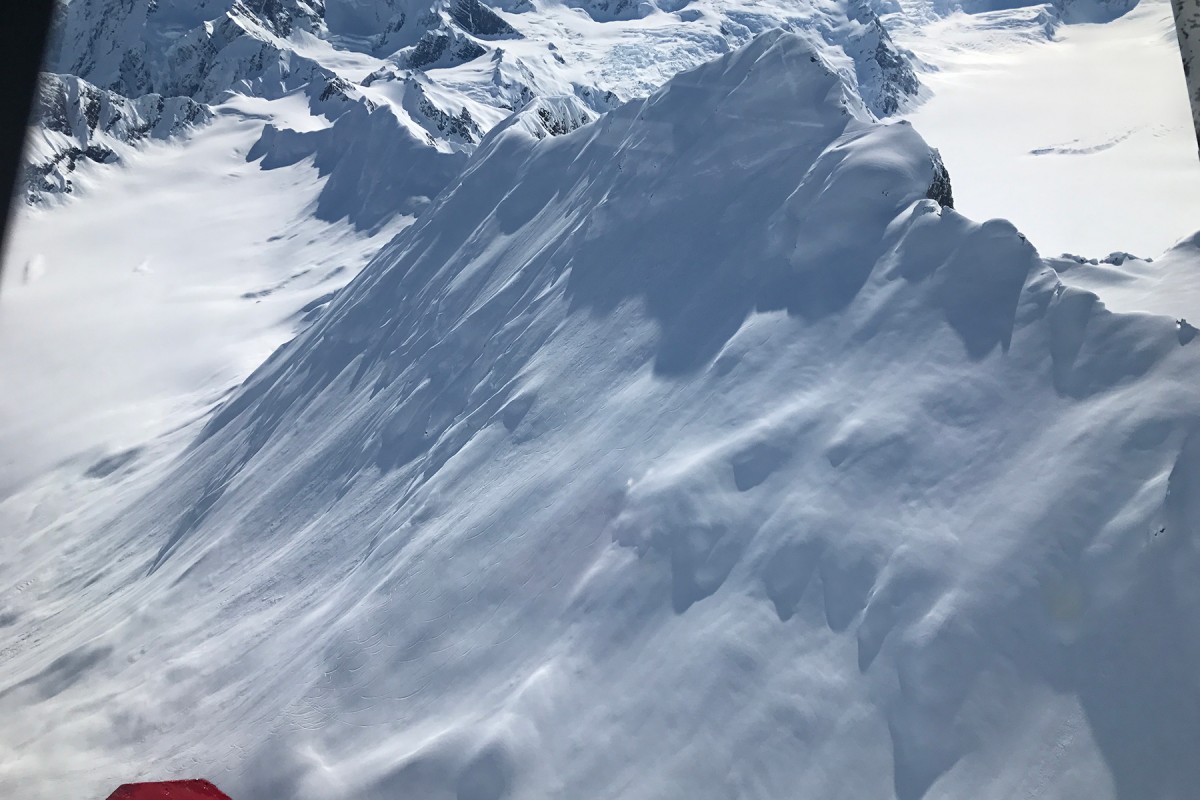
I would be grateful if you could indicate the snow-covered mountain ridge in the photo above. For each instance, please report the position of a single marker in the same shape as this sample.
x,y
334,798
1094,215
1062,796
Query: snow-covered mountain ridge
x,y
465,57
694,452
78,121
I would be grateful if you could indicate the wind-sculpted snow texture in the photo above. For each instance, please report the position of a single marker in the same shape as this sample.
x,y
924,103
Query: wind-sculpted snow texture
x,y
476,60
695,452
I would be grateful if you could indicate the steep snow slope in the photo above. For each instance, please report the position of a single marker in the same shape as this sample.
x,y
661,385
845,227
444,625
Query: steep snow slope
x,y
304,80
1080,133
694,453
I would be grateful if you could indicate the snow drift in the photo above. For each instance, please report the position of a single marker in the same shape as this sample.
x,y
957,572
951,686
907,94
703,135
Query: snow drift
x,y
695,452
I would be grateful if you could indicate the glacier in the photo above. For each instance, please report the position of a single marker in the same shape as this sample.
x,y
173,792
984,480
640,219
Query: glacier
x,y
448,57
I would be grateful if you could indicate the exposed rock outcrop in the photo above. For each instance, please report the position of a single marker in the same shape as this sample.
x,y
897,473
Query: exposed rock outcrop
x,y
76,121
940,189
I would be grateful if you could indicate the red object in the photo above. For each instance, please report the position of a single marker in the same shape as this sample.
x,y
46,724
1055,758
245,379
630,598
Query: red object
x,y
169,790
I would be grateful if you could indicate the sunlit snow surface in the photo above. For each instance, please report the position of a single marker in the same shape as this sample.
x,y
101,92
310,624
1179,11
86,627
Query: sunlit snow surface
x,y
693,454
136,308
1085,142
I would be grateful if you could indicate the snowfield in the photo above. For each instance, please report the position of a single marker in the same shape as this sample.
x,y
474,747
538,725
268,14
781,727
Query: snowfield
x,y
1067,137
157,294
695,449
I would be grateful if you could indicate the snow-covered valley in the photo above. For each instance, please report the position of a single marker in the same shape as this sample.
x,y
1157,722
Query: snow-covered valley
x,y
138,307
1070,139
666,433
